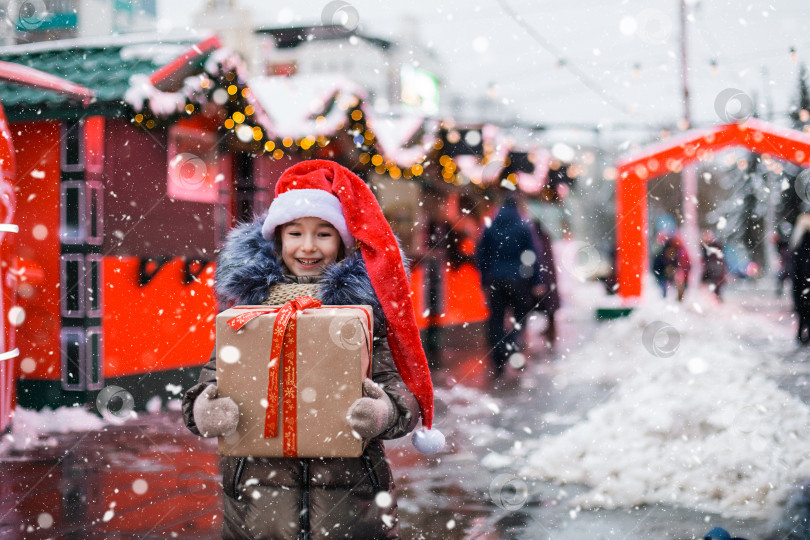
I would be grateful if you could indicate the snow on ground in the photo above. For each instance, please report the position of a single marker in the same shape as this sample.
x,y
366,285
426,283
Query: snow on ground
x,y
32,429
694,420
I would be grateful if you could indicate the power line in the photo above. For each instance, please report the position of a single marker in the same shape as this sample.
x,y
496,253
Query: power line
x,y
580,75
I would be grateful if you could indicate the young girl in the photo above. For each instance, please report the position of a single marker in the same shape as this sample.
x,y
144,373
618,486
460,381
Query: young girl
x,y
324,236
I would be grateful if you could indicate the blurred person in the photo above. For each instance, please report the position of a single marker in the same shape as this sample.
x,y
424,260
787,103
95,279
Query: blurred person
x,y
433,262
714,262
671,267
781,240
508,263
800,266
547,296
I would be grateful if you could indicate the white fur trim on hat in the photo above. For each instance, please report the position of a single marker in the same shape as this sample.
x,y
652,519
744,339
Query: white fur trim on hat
x,y
301,203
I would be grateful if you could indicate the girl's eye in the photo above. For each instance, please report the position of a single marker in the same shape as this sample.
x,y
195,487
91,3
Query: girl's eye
x,y
293,233
325,234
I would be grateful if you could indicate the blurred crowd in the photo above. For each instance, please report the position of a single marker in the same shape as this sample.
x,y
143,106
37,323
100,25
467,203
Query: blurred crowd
x,y
671,267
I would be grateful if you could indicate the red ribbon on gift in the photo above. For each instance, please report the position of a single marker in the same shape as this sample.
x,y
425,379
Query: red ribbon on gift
x,y
283,346
285,342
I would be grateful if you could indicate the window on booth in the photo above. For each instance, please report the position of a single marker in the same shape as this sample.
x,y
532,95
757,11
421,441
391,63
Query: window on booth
x,y
193,165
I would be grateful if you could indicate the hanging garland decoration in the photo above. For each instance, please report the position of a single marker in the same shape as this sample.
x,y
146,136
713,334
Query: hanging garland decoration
x,y
223,82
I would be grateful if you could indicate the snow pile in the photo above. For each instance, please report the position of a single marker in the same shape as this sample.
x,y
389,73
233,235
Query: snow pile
x,y
465,415
693,420
32,429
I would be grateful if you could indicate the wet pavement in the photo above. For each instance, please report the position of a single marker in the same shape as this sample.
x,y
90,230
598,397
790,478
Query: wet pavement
x,y
150,478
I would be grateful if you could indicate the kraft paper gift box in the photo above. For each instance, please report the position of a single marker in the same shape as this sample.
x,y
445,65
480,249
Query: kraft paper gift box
x,y
327,352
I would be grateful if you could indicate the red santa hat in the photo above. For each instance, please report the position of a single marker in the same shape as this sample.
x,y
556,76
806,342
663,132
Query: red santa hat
x,y
307,202
324,189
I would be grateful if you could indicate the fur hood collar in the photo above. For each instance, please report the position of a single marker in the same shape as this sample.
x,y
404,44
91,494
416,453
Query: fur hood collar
x,y
247,267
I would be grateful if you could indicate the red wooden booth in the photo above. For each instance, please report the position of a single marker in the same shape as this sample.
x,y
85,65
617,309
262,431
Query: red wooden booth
x,y
672,156
8,351
127,181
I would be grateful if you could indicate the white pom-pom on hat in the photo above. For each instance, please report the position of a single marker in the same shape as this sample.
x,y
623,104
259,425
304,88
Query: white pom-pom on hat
x,y
428,441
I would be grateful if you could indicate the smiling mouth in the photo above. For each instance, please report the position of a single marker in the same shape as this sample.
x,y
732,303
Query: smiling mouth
x,y
308,262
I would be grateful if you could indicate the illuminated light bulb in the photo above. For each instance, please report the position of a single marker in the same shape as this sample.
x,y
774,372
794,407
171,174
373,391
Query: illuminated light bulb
x,y
232,89
287,142
244,133
357,114
377,160
229,123
269,146
189,108
278,154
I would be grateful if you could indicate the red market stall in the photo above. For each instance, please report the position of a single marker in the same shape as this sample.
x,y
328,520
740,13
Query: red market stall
x,y
8,351
129,176
672,156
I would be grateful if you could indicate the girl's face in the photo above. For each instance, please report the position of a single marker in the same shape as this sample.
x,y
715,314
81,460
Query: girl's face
x,y
308,245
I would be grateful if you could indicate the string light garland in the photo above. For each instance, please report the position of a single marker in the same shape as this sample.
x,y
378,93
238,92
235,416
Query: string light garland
x,y
353,138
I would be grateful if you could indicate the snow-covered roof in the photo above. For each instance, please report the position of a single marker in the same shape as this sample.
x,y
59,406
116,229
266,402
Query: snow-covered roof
x,y
395,137
297,105
108,41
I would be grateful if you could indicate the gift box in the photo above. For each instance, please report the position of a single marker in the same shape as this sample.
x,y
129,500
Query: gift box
x,y
294,371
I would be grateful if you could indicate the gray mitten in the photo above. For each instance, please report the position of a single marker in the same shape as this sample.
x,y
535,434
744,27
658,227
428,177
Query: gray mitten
x,y
215,416
371,415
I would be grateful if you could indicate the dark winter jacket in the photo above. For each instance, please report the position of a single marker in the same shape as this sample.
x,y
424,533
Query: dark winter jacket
x,y
549,301
800,268
498,253
714,263
289,498
671,260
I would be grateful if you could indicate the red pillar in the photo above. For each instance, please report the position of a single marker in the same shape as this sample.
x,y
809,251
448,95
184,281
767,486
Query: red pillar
x,y
631,233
